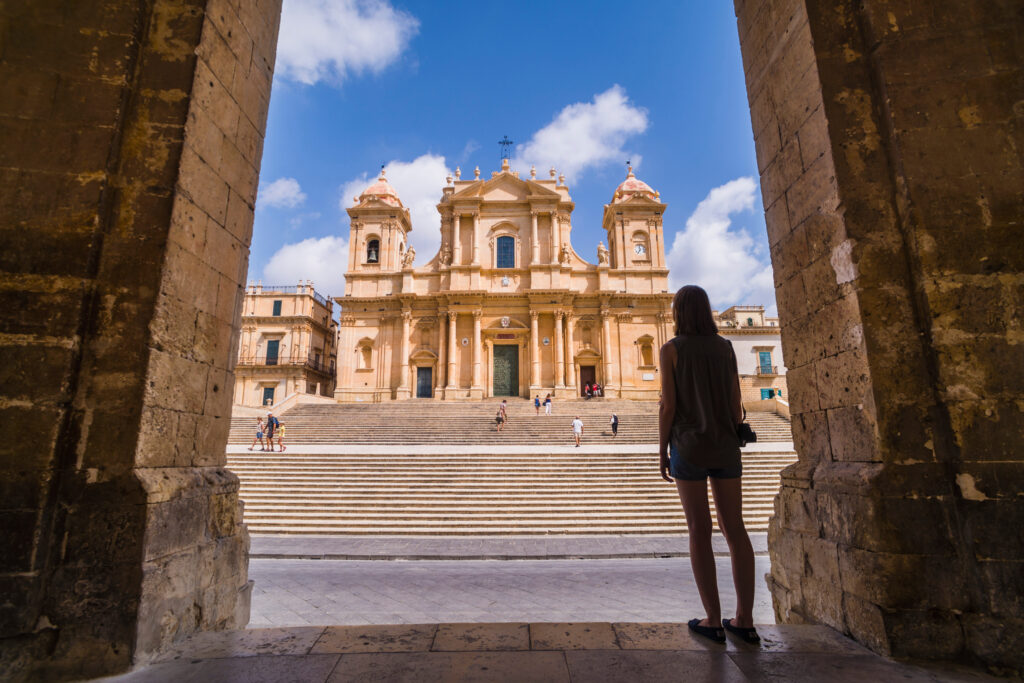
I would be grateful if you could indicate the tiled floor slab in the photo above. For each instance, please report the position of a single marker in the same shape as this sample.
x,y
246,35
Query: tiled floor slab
x,y
238,669
346,639
573,636
637,666
248,643
445,667
481,637
676,636
826,668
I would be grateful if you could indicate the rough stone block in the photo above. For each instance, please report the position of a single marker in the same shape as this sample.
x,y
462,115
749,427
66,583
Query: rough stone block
x,y
901,581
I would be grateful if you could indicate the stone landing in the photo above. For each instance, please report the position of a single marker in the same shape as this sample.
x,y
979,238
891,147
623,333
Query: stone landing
x,y
548,652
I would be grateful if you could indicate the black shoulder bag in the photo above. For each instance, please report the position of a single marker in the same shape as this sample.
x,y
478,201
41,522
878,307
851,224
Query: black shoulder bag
x,y
744,432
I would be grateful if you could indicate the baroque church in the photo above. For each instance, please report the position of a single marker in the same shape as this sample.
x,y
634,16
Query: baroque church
x,y
507,307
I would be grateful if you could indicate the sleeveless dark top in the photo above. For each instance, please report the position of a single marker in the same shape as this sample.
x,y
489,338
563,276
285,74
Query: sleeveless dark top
x,y
704,428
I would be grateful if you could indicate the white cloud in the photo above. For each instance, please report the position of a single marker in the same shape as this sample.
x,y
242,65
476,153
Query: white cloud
x,y
418,184
723,260
585,134
296,221
283,193
323,260
326,40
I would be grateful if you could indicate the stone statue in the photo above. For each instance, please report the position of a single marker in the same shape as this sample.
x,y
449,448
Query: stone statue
x,y
602,254
563,257
408,258
446,255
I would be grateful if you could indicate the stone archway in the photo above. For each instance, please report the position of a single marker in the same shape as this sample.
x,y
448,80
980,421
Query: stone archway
x,y
885,138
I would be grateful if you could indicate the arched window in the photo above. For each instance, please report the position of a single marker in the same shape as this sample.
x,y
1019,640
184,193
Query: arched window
x,y
506,252
373,251
750,322
647,354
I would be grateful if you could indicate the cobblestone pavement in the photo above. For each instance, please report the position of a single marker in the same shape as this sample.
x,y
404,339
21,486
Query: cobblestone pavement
x,y
300,592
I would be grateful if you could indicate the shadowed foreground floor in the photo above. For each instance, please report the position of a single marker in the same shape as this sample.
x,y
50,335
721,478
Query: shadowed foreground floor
x,y
548,652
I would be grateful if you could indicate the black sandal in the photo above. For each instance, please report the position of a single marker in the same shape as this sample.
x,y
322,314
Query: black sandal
x,y
709,632
748,635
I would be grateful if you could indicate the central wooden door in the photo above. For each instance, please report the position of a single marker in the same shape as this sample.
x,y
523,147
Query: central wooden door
x,y
506,370
587,374
424,385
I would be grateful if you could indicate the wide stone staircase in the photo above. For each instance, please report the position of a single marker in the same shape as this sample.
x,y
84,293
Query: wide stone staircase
x,y
420,487
430,422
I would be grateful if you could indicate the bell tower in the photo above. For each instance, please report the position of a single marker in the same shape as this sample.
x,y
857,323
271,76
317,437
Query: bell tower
x,y
633,221
379,230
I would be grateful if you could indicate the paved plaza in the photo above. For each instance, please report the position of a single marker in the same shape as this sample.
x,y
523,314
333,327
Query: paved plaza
x,y
336,592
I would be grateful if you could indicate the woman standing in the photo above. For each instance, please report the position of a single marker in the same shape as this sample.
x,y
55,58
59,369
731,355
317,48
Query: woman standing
x,y
700,409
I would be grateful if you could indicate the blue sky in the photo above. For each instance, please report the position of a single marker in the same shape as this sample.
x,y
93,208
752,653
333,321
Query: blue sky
x,y
428,86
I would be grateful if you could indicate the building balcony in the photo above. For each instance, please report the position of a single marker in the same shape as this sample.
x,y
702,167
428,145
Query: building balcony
x,y
767,370
310,362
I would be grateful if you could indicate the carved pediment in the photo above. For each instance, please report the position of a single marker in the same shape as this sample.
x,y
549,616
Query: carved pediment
x,y
505,187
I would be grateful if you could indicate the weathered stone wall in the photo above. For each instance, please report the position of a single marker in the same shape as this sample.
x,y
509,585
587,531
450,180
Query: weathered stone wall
x,y
131,137
889,138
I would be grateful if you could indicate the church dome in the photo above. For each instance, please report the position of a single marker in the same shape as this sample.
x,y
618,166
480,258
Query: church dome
x,y
383,191
631,185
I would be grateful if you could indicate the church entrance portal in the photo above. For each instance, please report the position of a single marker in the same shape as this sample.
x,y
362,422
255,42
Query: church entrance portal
x,y
506,370
424,382
587,374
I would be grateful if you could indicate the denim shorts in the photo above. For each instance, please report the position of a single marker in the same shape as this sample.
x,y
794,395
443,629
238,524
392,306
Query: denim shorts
x,y
680,469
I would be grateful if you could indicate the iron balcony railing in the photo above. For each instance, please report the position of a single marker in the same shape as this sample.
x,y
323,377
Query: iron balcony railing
x,y
311,362
767,369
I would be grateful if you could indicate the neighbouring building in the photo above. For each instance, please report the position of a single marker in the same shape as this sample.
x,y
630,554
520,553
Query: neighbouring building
x,y
507,306
287,344
757,342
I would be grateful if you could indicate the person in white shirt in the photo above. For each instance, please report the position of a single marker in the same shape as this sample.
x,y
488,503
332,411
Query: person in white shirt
x,y
577,430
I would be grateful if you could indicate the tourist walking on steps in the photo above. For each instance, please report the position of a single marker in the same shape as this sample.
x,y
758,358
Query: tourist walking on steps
x,y
499,418
536,403
272,424
587,391
615,424
697,422
279,433
259,435
547,404
577,430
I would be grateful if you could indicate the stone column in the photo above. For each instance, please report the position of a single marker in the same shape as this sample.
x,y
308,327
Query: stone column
x,y
456,240
534,352
403,382
476,238
535,244
606,345
453,350
570,360
554,237
442,347
477,315
559,351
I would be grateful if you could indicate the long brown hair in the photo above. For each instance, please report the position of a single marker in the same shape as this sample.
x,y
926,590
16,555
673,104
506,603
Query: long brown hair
x,y
692,312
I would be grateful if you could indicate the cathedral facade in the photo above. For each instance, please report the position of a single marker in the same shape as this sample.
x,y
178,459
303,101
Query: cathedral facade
x,y
507,307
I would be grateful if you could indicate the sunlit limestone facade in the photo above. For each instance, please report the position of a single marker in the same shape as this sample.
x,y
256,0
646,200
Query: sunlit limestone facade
x,y
757,342
507,307
287,345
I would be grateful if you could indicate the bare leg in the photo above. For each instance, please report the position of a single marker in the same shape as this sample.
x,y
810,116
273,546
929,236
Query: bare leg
x,y
728,495
694,496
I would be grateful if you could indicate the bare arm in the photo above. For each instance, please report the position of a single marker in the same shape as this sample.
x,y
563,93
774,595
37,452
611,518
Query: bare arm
x,y
737,400
667,409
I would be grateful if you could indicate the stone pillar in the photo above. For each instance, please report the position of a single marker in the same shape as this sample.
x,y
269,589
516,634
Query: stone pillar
x,y
456,240
570,352
534,242
442,348
126,237
453,350
477,315
606,346
534,352
555,227
559,351
403,381
892,176
476,238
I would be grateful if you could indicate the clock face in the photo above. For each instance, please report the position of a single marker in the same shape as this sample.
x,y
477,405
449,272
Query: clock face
x,y
639,249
